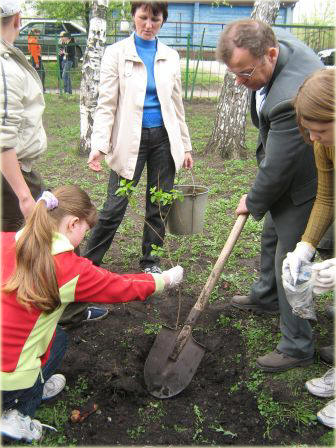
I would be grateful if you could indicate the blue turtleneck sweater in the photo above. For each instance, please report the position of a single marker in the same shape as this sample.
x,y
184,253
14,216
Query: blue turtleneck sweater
x,y
146,50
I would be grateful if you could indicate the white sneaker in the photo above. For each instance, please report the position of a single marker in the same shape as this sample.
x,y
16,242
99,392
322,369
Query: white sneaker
x,y
324,386
327,415
53,386
17,426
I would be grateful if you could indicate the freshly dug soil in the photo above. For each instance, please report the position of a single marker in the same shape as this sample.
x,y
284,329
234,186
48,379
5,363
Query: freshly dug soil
x,y
111,355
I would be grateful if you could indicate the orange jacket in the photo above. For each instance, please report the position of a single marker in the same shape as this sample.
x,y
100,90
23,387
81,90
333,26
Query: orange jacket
x,y
34,48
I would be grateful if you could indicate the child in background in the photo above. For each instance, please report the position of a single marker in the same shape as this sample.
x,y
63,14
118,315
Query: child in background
x,y
35,50
41,275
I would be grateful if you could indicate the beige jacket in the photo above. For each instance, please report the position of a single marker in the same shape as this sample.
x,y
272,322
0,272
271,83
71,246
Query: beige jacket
x,y
21,106
122,90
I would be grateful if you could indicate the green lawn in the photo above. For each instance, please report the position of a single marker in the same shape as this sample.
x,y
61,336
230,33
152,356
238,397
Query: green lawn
x,y
227,181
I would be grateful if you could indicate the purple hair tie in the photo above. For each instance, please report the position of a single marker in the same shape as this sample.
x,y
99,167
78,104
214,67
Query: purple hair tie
x,y
50,200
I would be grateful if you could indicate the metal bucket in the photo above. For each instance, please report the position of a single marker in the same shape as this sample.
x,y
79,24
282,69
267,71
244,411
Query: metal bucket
x,y
187,216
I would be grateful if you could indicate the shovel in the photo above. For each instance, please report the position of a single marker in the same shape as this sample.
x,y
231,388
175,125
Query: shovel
x,y
175,355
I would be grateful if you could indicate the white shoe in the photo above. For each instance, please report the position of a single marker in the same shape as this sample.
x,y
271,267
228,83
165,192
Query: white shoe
x,y
17,426
327,415
324,386
53,386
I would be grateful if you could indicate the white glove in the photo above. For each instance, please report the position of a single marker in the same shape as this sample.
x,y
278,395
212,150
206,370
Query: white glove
x,y
303,252
173,276
325,278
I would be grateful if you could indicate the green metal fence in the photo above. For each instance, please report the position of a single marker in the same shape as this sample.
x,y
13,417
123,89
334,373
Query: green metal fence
x,y
202,75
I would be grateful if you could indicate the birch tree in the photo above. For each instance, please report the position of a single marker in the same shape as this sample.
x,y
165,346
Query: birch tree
x,y
91,72
228,135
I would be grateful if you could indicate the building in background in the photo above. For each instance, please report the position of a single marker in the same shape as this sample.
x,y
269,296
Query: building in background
x,y
183,18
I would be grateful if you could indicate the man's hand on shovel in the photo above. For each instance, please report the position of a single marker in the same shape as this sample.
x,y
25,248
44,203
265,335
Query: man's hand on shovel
x,y
242,209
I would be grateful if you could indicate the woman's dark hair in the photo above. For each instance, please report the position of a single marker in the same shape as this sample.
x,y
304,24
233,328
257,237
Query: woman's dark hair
x,y
155,7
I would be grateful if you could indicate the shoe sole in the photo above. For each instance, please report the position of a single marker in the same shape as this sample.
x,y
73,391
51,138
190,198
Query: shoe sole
x,y
326,359
305,363
53,396
9,436
321,395
254,309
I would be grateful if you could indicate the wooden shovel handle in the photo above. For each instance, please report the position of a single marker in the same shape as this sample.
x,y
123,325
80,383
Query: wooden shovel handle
x,y
209,286
218,268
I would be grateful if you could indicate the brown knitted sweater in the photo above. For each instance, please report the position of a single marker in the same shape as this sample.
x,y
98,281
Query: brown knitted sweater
x,y
322,213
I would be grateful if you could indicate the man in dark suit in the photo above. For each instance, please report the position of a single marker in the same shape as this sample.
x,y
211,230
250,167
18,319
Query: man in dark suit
x,y
285,185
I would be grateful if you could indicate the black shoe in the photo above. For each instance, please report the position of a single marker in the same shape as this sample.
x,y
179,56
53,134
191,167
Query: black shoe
x,y
330,312
327,354
244,303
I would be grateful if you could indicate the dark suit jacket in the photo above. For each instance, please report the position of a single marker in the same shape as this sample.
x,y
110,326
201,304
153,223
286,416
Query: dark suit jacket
x,y
286,178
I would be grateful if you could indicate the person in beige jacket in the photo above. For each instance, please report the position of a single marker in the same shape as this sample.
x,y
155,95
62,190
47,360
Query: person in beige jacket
x,y
139,120
23,140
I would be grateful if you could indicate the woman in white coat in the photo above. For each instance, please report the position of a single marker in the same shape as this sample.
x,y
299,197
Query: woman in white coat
x,y
139,121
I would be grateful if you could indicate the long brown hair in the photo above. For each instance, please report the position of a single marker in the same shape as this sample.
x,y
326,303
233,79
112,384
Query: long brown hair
x,y
315,100
34,278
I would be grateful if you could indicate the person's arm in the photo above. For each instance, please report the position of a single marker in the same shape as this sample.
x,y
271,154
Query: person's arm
x,y
180,115
11,115
283,152
106,108
322,213
10,169
95,284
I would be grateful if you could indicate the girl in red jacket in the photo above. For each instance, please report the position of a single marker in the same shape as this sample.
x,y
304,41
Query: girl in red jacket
x,y
41,275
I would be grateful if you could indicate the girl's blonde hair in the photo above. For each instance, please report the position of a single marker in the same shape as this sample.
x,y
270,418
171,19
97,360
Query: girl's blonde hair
x,y
34,279
315,100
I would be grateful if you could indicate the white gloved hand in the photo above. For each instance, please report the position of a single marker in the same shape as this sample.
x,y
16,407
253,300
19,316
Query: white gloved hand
x,y
303,252
325,278
173,276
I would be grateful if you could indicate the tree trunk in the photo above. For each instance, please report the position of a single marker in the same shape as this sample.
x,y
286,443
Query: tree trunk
x,y
228,135
91,72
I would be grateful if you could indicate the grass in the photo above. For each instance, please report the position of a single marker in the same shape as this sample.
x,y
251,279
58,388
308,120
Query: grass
x,y
227,181
203,80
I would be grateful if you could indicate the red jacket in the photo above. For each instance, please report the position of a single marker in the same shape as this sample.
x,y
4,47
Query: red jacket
x,y
27,334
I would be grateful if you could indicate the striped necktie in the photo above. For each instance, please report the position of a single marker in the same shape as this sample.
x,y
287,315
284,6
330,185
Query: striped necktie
x,y
260,99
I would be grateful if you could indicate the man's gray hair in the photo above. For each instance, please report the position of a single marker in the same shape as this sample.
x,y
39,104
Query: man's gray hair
x,y
253,35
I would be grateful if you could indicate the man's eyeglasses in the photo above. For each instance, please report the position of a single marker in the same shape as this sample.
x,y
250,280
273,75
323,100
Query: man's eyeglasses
x,y
245,75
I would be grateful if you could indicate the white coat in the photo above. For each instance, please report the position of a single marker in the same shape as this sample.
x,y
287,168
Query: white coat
x,y
122,89
21,107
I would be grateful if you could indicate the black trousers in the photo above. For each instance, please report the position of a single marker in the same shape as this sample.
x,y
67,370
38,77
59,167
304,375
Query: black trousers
x,y
11,217
155,152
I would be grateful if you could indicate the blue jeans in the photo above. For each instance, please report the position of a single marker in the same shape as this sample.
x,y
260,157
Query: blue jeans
x,y
155,152
28,400
66,68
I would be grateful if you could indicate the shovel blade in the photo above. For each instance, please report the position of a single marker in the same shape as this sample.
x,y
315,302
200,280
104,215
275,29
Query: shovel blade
x,y
164,377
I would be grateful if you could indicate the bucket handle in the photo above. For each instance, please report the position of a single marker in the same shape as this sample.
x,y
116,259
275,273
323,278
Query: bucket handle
x,y
193,182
